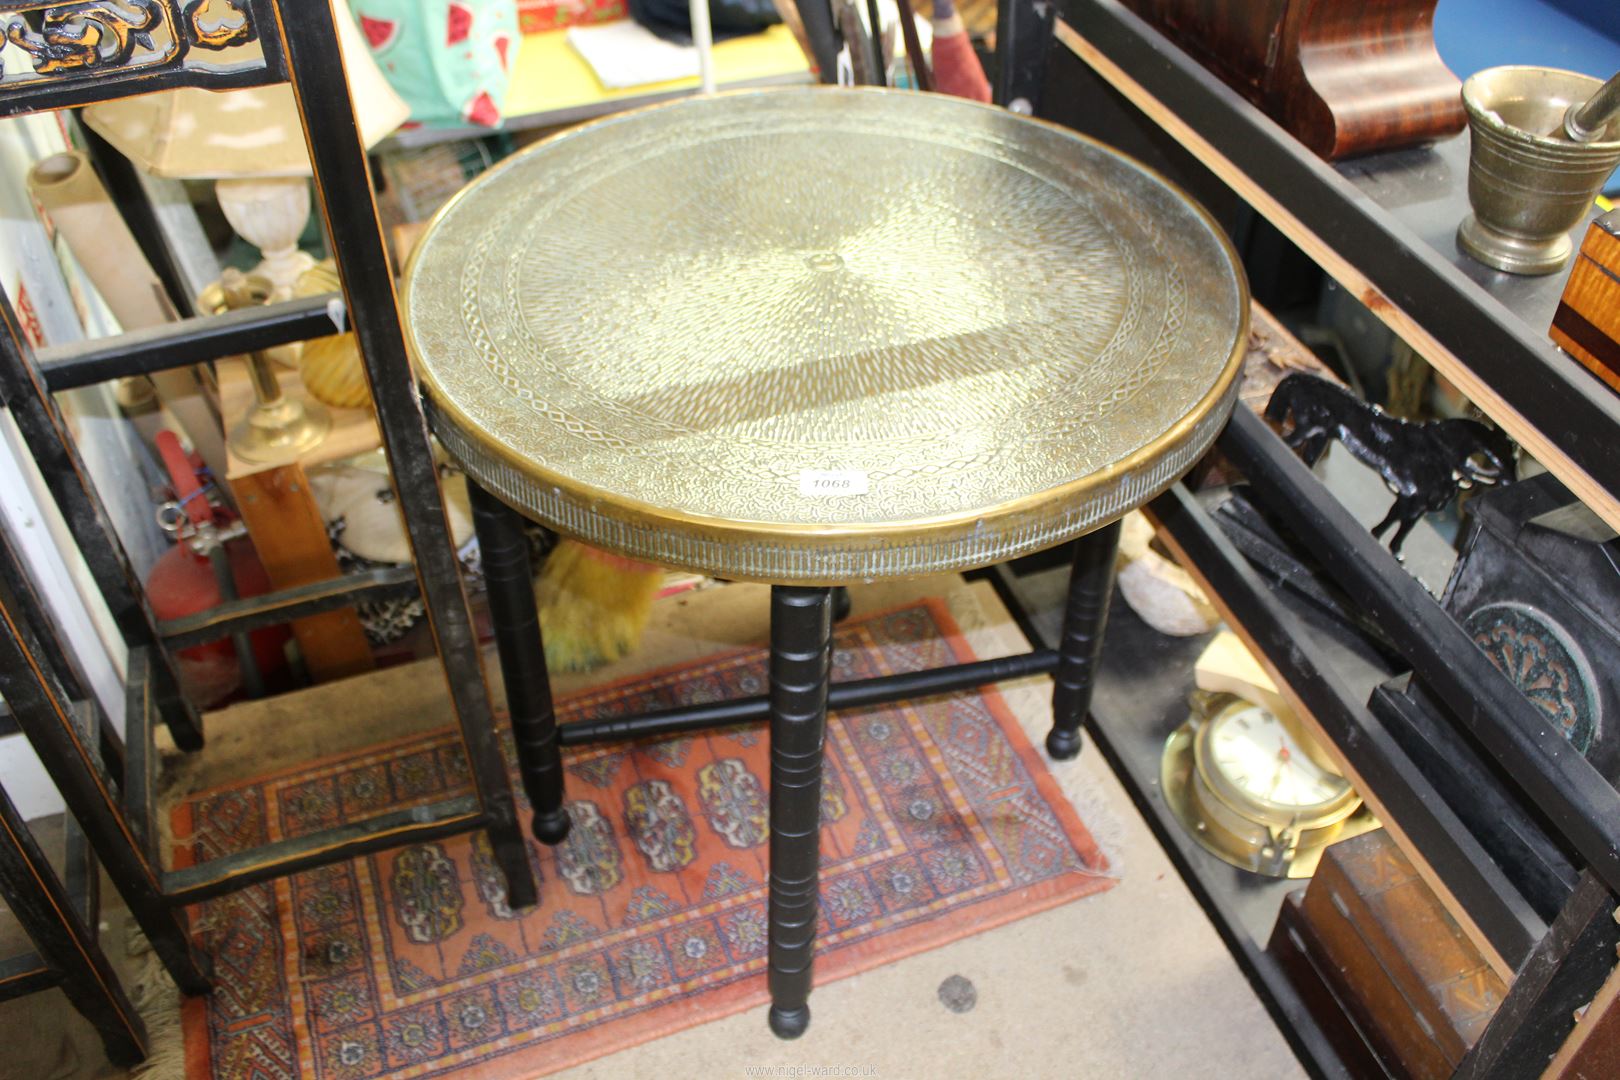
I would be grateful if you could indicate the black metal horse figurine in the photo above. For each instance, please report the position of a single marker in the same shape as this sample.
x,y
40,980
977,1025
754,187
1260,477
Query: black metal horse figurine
x,y
1425,464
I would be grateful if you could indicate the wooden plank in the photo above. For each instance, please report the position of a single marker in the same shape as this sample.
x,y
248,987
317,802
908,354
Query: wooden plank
x,y
198,340
251,613
1312,973
1403,323
1587,322
25,973
1566,970
48,718
290,535
1592,1050
349,211
64,941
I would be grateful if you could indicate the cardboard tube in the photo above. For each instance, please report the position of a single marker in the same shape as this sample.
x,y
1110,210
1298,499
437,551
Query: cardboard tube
x,y
67,188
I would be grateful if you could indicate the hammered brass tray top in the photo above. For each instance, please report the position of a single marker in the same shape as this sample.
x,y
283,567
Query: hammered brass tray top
x,y
821,336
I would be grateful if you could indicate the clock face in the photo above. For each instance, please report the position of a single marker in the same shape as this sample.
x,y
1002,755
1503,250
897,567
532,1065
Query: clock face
x,y
1255,754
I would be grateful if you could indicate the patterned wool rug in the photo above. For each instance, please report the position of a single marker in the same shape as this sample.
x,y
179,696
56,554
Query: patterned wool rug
x,y
939,820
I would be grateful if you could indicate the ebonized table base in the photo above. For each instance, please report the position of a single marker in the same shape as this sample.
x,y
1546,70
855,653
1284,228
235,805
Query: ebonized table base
x,y
800,695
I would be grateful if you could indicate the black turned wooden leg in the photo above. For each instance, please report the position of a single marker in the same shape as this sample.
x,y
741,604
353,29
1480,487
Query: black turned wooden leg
x,y
1085,615
510,581
41,903
801,661
842,603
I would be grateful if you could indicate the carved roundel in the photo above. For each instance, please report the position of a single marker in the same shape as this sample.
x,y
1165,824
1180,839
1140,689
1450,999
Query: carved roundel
x,y
1544,662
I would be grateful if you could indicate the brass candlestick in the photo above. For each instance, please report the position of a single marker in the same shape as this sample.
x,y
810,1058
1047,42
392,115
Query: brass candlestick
x,y
278,428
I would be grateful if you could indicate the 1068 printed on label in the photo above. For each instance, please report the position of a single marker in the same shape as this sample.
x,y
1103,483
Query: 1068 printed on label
x,y
832,482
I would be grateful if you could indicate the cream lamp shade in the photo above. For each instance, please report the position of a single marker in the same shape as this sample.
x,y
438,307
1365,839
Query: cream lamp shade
x,y
252,142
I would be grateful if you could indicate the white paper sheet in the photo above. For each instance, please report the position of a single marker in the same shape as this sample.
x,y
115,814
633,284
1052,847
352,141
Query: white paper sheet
x,y
625,54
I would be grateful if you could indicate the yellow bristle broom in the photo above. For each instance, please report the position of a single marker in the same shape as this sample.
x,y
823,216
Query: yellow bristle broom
x,y
594,606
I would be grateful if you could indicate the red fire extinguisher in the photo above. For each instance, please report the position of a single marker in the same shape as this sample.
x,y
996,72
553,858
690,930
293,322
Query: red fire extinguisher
x,y
211,562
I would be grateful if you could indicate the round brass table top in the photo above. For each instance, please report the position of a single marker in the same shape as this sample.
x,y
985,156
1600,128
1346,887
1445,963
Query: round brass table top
x,y
820,336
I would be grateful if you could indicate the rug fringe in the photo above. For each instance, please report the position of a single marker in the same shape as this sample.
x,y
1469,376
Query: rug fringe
x,y
157,999
1106,827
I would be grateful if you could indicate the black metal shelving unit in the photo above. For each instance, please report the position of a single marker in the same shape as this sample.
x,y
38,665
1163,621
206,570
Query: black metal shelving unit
x,y
1382,226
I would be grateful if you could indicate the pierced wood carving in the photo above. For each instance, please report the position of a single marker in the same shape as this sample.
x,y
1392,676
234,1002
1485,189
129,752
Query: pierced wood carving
x,y
74,37
97,38
218,24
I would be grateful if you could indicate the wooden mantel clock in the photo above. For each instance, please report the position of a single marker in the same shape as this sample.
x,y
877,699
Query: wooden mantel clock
x,y
1343,77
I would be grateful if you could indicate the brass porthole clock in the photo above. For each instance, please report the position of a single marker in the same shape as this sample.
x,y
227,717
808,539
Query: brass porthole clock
x,y
1242,782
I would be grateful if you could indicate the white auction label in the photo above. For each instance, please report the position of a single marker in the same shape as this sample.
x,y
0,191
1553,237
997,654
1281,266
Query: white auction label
x,y
832,482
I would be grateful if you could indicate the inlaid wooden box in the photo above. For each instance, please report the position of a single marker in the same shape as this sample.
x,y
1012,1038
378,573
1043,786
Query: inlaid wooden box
x,y
1411,981
1587,323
